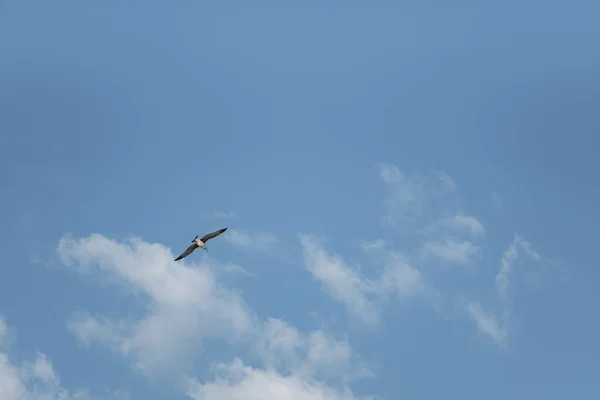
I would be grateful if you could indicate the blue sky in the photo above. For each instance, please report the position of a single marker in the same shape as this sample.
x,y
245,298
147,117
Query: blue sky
x,y
409,189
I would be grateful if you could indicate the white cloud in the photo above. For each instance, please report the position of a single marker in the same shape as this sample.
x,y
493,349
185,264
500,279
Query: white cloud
x,y
487,323
237,381
404,200
409,196
281,346
430,205
458,224
358,293
11,387
452,250
232,268
35,380
341,282
401,278
374,245
43,369
509,257
468,223
447,180
428,200
187,305
292,363
262,240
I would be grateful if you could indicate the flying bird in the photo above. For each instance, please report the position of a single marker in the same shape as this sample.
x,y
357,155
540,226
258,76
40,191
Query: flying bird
x,y
200,243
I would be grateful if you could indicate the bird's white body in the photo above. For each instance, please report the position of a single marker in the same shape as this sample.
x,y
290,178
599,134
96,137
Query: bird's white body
x,y
199,243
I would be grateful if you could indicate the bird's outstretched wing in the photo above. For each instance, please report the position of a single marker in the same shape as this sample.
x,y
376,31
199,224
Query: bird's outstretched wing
x,y
212,235
187,252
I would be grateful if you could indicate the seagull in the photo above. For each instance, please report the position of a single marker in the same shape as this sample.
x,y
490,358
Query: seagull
x,y
200,243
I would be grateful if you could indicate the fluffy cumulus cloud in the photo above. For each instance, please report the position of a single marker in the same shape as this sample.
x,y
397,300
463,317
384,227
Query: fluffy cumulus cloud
x,y
282,346
31,380
237,381
187,304
291,361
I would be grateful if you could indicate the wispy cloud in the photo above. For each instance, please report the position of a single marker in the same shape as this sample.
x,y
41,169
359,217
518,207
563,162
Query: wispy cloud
x,y
234,269
402,278
466,223
358,293
453,251
410,198
428,206
488,323
405,197
446,179
374,245
458,224
509,257
430,202
341,282
262,241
